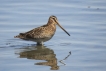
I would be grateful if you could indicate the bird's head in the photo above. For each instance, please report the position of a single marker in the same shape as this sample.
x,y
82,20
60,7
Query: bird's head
x,y
53,20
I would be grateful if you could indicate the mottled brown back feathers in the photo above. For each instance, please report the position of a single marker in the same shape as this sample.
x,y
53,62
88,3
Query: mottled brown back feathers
x,y
40,32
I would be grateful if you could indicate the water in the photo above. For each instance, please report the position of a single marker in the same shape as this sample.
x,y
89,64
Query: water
x,y
84,50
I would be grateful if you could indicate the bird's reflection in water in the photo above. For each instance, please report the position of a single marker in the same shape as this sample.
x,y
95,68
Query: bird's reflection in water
x,y
40,53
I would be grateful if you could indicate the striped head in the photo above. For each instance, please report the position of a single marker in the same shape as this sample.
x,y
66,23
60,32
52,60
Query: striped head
x,y
53,20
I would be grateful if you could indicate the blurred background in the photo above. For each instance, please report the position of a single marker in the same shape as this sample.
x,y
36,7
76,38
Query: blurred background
x,y
84,50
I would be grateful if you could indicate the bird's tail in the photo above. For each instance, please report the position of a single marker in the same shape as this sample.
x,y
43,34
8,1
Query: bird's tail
x,y
21,35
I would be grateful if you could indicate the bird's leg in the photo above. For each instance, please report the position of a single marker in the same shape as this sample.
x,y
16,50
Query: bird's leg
x,y
40,43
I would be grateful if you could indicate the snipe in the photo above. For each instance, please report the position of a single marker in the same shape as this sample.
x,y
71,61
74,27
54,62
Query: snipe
x,y
42,33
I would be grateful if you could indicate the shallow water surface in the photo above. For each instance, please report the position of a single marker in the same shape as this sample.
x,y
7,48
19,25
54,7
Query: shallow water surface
x,y
84,50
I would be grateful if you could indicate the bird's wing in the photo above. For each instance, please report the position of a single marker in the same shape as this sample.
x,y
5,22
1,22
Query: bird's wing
x,y
40,32
35,33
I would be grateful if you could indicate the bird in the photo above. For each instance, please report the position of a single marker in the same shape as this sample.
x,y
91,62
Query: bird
x,y
43,33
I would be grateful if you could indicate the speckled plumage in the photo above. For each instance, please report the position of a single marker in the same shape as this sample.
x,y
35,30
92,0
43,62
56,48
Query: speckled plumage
x,y
41,34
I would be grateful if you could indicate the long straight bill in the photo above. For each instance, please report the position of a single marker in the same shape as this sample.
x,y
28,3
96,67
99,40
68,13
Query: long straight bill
x,y
62,27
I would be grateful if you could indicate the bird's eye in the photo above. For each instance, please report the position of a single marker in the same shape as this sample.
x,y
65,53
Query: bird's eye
x,y
54,17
